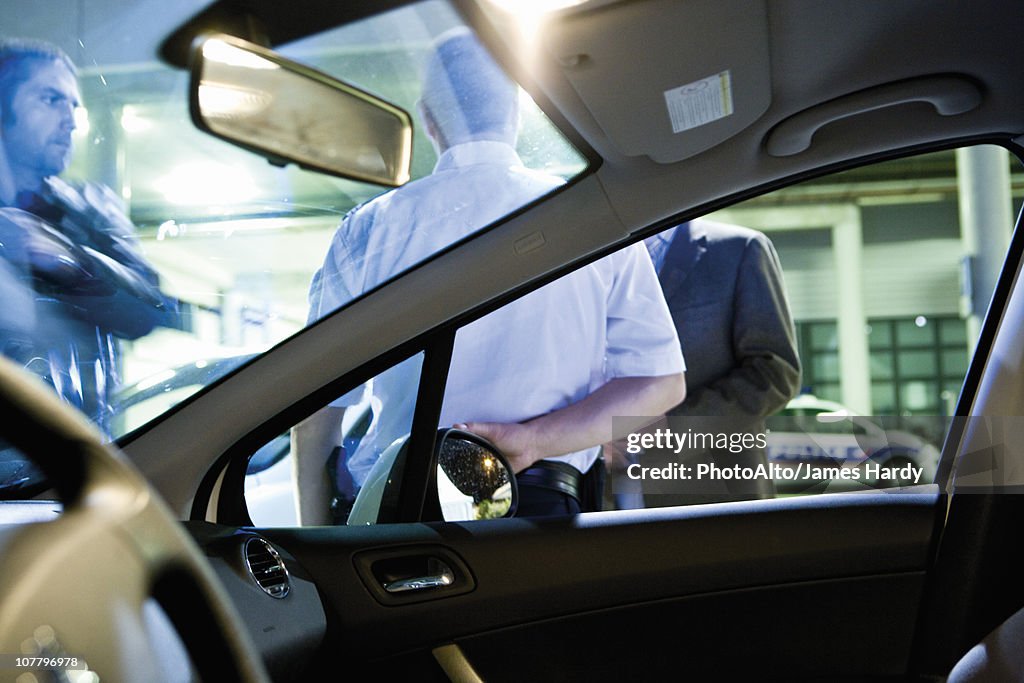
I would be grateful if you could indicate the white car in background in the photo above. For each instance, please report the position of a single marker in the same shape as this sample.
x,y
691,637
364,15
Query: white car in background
x,y
813,442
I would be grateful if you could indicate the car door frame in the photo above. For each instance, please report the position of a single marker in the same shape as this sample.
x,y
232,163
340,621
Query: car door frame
x,y
954,606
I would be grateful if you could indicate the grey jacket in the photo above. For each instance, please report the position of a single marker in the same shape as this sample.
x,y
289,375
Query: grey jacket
x,y
723,285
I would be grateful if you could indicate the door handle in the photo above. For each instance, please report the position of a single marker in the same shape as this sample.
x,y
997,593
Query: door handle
x,y
443,577
440,575
408,574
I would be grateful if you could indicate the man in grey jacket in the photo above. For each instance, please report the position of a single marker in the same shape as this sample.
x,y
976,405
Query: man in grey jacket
x,y
724,289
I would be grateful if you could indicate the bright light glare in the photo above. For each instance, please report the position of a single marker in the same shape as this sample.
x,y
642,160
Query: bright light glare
x,y
205,182
527,16
81,121
218,51
533,7
132,121
221,101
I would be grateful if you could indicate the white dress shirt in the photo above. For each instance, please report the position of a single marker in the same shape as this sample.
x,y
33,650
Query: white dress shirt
x,y
540,353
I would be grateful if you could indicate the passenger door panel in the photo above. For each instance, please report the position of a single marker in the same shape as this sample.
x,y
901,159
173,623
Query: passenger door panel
x,y
737,591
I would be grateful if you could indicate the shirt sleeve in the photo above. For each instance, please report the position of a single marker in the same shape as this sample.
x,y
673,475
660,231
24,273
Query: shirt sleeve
x,y
641,338
328,290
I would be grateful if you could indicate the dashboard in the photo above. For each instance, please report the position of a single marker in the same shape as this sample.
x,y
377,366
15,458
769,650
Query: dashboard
x,y
276,599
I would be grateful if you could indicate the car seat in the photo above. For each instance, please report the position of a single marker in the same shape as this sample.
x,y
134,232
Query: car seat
x,y
999,657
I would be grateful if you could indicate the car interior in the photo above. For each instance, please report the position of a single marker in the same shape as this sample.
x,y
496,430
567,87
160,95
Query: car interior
x,y
149,556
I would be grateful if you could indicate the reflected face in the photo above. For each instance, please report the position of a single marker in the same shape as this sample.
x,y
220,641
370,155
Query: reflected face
x,y
37,130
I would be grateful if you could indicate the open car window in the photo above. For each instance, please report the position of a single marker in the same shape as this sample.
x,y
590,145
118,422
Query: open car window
x,y
161,258
888,272
846,378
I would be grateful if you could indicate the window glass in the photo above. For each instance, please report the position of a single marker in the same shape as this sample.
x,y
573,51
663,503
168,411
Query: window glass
x,y
344,464
888,341
880,335
882,366
919,397
823,337
954,362
918,364
953,332
337,466
914,332
878,375
826,366
187,256
891,342
883,397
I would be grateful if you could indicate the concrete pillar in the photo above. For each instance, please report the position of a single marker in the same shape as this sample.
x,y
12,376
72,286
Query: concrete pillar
x,y
986,221
854,362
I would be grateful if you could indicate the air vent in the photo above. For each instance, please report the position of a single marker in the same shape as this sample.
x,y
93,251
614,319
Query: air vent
x,y
267,567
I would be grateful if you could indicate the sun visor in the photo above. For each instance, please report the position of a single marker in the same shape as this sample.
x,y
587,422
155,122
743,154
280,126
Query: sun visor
x,y
704,77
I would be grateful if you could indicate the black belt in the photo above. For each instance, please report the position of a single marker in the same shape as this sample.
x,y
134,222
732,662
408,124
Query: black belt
x,y
555,475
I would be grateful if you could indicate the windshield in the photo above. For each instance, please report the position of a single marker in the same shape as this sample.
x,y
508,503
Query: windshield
x,y
144,259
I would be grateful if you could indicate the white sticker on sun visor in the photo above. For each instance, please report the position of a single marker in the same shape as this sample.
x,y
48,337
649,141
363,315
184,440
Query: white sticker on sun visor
x,y
700,102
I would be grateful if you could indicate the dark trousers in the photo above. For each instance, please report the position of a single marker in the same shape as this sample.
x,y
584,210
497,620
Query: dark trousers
x,y
539,500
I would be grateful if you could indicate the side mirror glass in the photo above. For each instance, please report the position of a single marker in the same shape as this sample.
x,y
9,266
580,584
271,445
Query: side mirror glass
x,y
474,480
288,112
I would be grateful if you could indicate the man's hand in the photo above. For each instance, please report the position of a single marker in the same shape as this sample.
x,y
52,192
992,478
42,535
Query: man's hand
x,y
511,438
586,423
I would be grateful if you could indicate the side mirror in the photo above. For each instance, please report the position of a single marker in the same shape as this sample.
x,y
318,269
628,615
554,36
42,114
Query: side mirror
x,y
288,112
474,480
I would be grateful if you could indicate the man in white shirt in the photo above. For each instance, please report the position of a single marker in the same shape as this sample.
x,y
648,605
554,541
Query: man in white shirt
x,y
541,377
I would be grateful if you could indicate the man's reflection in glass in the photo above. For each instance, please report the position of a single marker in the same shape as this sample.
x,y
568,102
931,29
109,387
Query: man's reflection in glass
x,y
71,269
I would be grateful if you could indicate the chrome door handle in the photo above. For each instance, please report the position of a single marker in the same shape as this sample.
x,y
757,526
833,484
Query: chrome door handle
x,y
405,575
444,578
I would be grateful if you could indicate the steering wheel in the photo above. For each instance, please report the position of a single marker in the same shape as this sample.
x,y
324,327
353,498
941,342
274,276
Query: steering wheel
x,y
114,575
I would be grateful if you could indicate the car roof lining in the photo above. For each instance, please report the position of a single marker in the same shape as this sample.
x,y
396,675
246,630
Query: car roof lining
x,y
267,22
694,95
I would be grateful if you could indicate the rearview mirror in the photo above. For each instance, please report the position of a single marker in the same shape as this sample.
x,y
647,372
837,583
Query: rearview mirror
x,y
288,112
474,480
